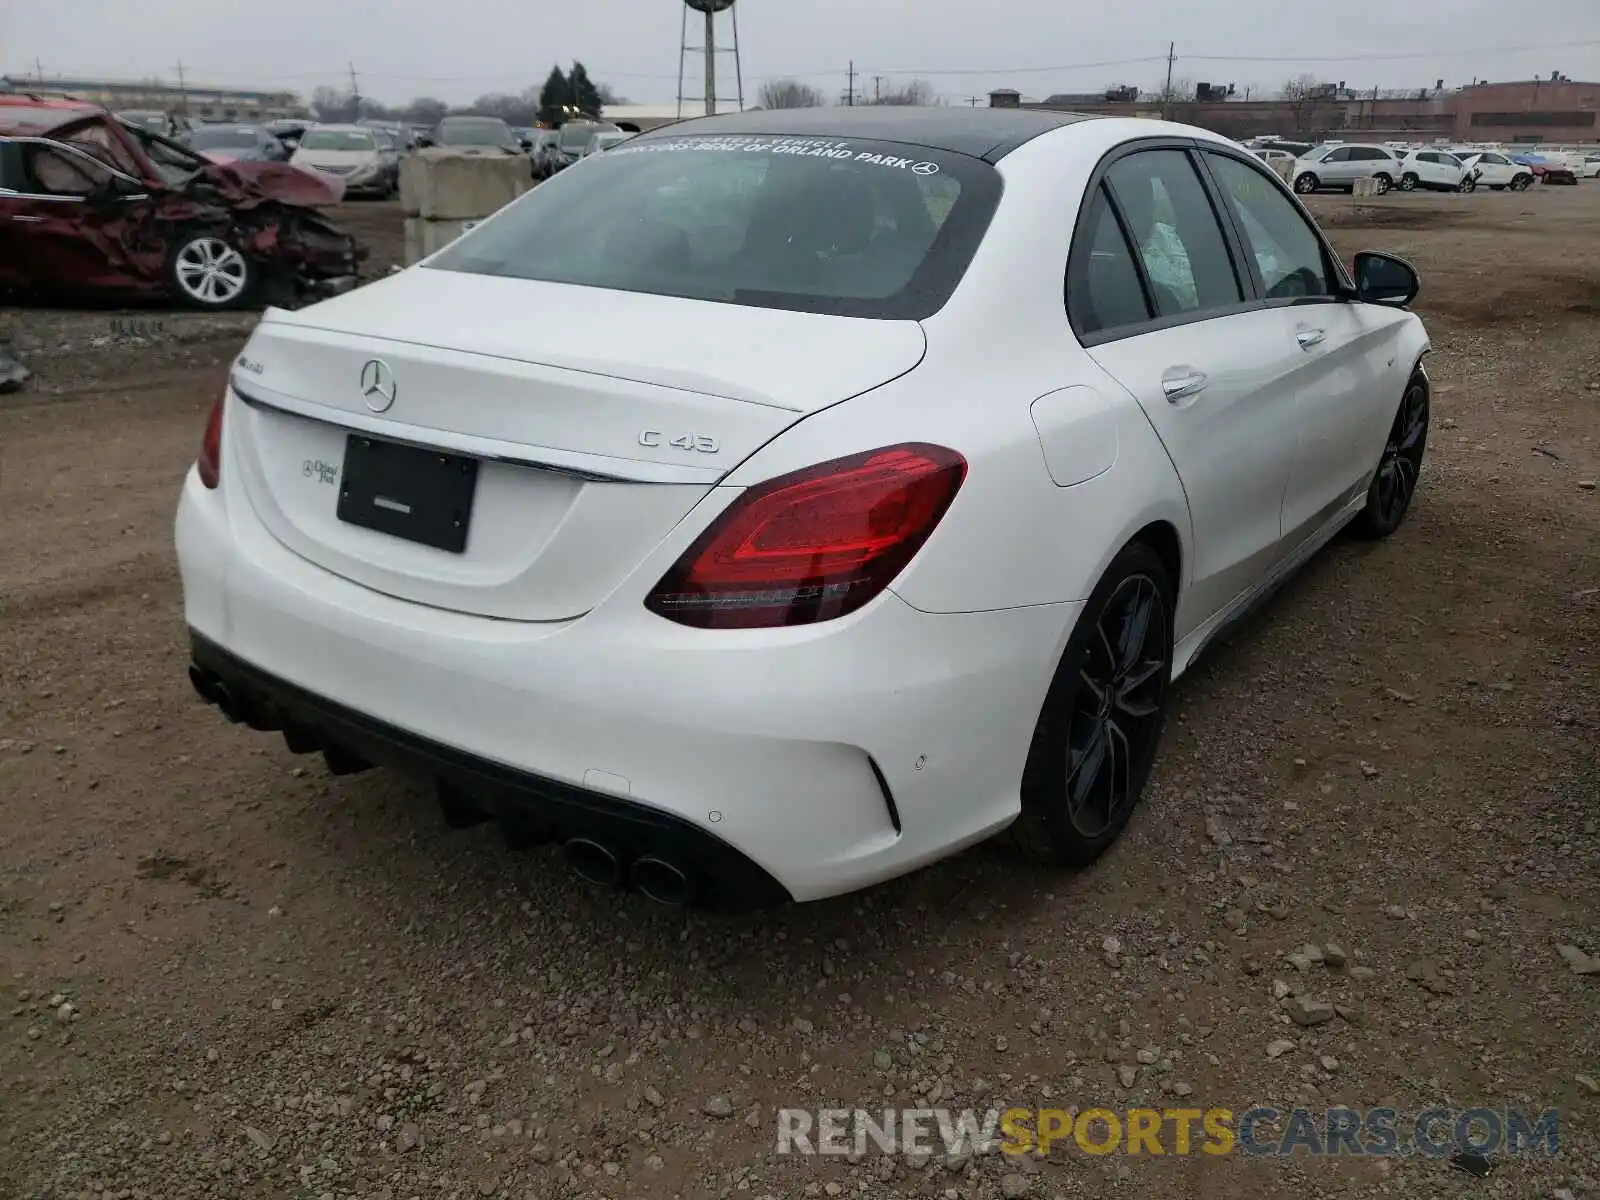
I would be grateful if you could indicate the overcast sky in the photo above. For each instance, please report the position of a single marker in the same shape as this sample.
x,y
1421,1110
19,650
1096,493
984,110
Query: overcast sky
x,y
458,49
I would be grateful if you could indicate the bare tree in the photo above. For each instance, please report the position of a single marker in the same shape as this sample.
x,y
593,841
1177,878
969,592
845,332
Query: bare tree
x,y
1179,91
790,93
918,93
332,104
1305,96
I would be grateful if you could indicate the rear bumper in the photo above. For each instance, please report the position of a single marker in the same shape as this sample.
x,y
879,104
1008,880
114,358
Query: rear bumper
x,y
831,757
543,808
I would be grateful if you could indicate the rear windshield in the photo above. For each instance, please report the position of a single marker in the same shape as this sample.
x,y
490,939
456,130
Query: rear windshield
x,y
336,139
219,137
475,133
850,228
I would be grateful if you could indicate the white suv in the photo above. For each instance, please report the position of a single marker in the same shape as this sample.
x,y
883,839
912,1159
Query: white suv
x,y
1432,170
1339,165
1491,169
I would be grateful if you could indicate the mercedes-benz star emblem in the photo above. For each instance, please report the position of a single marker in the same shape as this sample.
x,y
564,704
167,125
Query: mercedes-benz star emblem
x,y
377,385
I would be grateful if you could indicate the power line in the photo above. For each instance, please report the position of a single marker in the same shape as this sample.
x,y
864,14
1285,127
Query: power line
x,y
484,80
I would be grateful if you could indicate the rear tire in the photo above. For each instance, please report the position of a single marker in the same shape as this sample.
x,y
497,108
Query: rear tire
x,y
1521,183
1306,184
1097,734
1408,182
1400,466
1469,184
1384,182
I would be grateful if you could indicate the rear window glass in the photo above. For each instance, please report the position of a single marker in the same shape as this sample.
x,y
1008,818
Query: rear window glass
x,y
337,139
821,225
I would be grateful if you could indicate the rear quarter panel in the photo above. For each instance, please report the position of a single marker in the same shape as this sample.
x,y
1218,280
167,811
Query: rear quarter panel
x,y
1014,535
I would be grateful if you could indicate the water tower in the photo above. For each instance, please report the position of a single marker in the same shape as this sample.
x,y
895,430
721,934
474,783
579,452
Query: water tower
x,y
709,9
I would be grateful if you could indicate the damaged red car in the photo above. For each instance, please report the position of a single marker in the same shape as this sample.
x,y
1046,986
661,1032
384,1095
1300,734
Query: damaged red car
x,y
91,206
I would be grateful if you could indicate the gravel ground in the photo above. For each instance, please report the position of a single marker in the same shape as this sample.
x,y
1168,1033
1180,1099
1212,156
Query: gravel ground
x,y
226,973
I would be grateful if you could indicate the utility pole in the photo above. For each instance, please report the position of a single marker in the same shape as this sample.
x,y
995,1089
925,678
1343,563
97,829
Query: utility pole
x,y
877,89
183,93
972,101
38,71
850,96
1166,93
355,92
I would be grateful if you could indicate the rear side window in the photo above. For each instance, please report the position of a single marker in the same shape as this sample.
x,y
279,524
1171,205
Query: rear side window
x,y
881,230
1175,232
1103,288
1287,252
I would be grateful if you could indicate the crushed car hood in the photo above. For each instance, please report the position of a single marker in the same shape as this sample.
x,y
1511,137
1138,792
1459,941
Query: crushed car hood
x,y
246,184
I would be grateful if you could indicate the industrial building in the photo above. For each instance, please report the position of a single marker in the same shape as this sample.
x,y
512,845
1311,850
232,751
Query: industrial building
x,y
1555,110
201,101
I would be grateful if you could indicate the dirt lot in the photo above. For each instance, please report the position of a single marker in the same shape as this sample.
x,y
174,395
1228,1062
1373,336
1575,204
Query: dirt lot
x,y
224,972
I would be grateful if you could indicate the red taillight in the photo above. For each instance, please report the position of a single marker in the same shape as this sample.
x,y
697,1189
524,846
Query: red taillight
x,y
210,461
812,545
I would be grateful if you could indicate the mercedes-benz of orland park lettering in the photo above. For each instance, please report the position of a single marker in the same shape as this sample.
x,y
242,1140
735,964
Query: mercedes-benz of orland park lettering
x,y
938,444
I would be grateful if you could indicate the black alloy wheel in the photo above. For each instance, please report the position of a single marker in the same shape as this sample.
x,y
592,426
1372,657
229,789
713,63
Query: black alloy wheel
x,y
1097,735
1400,467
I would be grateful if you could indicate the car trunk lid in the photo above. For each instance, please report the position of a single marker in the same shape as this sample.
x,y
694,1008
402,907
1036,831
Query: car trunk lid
x,y
592,420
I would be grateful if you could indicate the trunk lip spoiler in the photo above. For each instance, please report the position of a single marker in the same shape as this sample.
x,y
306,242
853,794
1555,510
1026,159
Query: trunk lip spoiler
x,y
594,468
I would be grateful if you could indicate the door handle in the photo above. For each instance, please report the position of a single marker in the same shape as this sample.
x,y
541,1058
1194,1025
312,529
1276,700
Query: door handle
x,y
1310,337
1179,382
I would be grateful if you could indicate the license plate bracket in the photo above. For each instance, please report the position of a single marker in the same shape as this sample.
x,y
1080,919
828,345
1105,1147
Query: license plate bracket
x,y
408,492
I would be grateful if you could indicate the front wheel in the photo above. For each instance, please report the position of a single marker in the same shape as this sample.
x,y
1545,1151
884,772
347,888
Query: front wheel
x,y
1400,466
1305,184
1469,184
1097,734
208,272
1521,182
1408,182
1384,183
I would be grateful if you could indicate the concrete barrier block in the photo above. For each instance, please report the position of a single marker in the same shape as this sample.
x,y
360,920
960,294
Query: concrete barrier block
x,y
425,237
1364,187
442,185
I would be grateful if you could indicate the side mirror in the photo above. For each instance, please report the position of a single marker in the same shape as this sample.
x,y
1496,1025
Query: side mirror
x,y
1385,279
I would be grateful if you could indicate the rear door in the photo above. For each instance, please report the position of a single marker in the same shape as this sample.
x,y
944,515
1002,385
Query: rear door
x,y
1343,351
1159,303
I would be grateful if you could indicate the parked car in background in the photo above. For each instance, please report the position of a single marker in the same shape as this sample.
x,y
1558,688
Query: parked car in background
x,y
1549,170
352,152
389,149
777,611
1491,169
167,124
289,131
476,135
93,206
234,143
572,139
1431,170
546,144
1337,166
604,140
1591,167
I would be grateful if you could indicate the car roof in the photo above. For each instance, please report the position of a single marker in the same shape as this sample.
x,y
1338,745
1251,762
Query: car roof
x,y
986,133
54,114
338,127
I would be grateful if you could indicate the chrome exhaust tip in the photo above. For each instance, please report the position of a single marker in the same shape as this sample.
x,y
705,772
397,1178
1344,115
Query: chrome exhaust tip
x,y
593,861
664,882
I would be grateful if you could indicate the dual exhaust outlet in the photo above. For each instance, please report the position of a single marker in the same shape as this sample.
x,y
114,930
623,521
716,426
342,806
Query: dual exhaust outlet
x,y
654,878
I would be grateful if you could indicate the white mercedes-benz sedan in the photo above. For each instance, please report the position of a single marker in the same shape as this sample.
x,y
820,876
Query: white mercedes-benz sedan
x,y
790,499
